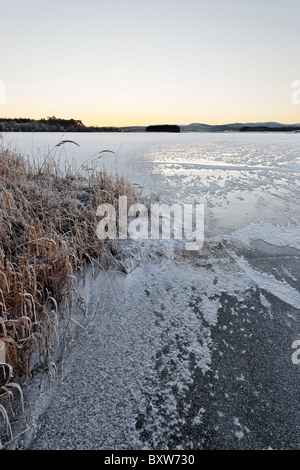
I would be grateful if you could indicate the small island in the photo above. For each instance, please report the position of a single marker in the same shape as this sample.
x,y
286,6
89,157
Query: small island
x,y
163,128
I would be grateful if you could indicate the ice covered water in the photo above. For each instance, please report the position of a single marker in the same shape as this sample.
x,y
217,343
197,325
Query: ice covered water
x,y
193,350
240,178
249,184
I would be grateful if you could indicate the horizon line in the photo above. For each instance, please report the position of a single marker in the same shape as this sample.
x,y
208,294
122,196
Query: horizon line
x,y
157,123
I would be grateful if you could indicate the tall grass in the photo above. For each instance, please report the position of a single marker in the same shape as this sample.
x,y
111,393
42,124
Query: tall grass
x,y
47,235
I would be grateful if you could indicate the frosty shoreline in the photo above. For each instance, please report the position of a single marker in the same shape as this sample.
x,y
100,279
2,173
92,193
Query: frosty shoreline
x,y
192,350
189,353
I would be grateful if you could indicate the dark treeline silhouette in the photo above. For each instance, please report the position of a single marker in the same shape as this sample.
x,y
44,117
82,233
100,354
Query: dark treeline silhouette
x,y
51,124
163,128
269,129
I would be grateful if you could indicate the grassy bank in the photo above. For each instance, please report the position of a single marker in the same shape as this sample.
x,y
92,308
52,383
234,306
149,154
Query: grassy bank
x,y
47,236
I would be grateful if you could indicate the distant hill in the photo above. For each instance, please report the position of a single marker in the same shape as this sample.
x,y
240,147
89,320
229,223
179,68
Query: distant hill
x,y
237,127
132,129
54,124
232,127
294,128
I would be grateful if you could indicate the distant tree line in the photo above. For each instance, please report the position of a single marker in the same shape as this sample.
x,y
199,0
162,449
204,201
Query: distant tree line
x,y
163,128
51,124
269,129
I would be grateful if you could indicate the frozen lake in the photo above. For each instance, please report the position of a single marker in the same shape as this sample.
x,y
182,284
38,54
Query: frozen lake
x,y
194,349
241,178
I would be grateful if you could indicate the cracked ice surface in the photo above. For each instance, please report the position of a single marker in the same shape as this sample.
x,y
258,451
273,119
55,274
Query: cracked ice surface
x,y
192,350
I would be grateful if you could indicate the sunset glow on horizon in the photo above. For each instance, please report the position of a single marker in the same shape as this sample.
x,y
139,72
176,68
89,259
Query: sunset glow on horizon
x,y
137,63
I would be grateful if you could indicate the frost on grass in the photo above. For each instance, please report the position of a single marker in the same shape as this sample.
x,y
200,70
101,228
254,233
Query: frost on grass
x,y
47,238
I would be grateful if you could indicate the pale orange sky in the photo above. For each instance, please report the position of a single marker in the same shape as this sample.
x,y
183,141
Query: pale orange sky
x,y
139,63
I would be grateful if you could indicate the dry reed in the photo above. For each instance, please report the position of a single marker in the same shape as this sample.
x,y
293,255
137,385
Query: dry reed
x,y
47,235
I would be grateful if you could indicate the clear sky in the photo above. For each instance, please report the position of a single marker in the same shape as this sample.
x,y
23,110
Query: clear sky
x,y
138,62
